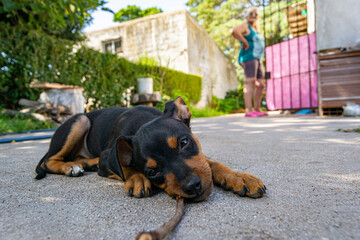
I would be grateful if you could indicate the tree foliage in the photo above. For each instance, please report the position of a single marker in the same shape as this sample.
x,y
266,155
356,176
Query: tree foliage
x,y
37,37
217,17
60,18
41,42
133,12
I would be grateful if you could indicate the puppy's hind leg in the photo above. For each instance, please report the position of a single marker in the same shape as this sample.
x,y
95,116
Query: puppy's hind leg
x,y
66,142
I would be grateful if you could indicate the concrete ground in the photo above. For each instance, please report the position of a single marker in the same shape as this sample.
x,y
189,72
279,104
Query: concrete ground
x,y
311,170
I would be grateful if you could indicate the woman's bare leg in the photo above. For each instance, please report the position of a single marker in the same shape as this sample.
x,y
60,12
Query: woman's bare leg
x,y
248,94
259,88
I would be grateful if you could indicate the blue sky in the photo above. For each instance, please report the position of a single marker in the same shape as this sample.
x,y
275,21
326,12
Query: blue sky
x,y
105,19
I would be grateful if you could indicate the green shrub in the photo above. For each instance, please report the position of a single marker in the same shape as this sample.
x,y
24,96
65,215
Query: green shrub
x,y
195,112
21,123
233,101
238,95
104,76
28,56
204,112
170,82
36,38
180,84
42,58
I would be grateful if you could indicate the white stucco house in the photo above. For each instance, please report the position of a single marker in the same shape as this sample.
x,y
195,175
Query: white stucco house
x,y
177,41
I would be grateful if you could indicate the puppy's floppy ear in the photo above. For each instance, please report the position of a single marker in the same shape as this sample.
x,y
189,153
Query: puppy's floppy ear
x,y
120,155
178,110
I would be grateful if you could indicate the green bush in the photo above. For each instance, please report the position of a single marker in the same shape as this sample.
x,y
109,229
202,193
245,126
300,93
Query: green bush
x,y
25,55
195,112
204,112
41,41
170,82
28,56
104,76
21,123
42,58
177,83
233,101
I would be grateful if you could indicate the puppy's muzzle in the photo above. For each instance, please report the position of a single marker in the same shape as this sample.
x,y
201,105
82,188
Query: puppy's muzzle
x,y
195,188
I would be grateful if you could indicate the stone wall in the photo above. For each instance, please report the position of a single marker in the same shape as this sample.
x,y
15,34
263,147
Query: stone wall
x,y
207,60
176,40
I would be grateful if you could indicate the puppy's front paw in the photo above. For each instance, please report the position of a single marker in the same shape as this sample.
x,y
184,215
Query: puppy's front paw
x,y
138,186
243,184
72,169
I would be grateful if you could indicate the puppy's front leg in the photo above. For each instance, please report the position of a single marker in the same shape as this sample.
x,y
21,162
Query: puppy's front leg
x,y
243,184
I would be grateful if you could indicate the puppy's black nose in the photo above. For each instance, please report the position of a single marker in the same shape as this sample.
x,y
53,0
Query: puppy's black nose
x,y
193,186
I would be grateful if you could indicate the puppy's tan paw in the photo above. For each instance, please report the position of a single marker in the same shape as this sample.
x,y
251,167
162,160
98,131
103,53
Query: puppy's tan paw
x,y
243,184
72,169
138,186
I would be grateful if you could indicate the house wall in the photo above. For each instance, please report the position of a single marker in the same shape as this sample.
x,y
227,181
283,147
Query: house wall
x,y
177,41
337,23
162,36
207,60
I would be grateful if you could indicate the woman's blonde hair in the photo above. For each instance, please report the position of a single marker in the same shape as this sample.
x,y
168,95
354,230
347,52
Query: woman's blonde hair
x,y
251,10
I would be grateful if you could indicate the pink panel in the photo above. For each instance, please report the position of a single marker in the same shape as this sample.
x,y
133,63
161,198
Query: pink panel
x,y
313,56
278,93
294,57
276,58
268,54
287,89
305,90
286,92
270,94
284,52
304,53
295,92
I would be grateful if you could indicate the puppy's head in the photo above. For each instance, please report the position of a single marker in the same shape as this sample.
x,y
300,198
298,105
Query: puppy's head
x,y
169,155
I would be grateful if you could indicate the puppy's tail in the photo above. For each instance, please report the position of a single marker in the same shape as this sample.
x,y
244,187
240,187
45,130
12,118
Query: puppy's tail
x,y
41,173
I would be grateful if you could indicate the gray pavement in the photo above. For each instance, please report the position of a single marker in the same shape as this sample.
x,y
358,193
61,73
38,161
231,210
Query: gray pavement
x,y
312,173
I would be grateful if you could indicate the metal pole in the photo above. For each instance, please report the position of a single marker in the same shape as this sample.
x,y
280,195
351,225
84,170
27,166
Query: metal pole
x,y
272,49
281,77
290,77
263,4
309,57
298,43
320,109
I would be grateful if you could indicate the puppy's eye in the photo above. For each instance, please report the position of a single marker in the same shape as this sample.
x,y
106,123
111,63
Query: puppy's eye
x,y
183,142
151,172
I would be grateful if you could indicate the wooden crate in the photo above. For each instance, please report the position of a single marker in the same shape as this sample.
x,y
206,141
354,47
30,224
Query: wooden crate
x,y
339,79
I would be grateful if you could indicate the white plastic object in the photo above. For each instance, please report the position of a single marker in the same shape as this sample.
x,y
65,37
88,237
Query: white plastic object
x,y
145,85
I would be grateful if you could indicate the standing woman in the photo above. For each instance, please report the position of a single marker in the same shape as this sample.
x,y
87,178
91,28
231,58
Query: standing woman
x,y
250,58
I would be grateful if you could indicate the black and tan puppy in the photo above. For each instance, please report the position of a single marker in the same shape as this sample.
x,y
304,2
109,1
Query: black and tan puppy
x,y
146,148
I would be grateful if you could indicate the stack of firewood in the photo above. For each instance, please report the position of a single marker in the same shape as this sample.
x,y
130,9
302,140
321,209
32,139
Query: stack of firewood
x,y
57,113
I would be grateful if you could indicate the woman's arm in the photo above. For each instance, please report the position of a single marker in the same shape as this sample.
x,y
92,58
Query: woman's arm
x,y
237,32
